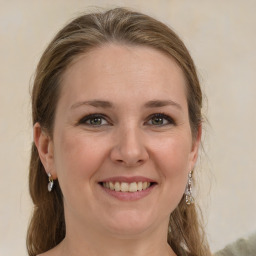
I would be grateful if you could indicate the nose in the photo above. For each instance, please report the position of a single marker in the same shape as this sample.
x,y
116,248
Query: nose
x,y
129,148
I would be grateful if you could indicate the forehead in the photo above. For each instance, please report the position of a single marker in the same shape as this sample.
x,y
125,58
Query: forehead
x,y
120,69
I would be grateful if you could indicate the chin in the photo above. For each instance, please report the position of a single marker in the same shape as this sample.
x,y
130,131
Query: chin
x,y
129,223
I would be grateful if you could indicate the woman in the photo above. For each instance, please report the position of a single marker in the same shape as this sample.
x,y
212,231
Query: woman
x,y
117,126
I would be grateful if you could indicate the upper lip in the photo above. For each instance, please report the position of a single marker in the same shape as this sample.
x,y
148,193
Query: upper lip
x,y
128,179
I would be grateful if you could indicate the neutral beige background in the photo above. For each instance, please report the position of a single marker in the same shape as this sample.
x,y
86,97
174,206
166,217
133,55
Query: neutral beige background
x,y
221,36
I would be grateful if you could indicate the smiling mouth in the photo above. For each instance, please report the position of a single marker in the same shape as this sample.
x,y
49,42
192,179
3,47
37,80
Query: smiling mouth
x,y
127,187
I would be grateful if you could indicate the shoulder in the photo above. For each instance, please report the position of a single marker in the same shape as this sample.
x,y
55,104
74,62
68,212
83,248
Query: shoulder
x,y
242,247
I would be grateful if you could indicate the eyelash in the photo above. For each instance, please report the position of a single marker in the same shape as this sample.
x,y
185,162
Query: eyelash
x,y
162,116
90,117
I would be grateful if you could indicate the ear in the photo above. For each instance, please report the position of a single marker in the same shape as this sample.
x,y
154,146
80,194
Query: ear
x,y
44,146
195,148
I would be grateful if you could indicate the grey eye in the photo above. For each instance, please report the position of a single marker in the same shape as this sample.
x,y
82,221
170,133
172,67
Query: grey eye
x,y
157,120
95,121
160,120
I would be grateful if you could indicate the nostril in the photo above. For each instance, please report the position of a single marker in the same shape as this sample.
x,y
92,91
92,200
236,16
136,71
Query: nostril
x,y
129,151
130,163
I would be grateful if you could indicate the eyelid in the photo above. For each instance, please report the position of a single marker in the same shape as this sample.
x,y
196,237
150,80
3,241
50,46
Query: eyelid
x,y
91,116
170,120
84,119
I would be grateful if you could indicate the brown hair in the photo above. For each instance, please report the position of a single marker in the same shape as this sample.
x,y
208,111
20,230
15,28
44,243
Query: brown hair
x,y
47,226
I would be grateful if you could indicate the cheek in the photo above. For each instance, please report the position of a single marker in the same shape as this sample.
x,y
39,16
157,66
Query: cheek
x,y
173,155
172,159
77,159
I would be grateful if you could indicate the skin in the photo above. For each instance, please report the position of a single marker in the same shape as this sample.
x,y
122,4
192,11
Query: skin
x,y
128,142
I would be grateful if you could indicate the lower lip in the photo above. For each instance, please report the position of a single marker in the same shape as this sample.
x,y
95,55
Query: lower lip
x,y
128,196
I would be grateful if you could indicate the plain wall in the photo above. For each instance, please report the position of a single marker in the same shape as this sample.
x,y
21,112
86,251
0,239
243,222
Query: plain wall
x,y
221,37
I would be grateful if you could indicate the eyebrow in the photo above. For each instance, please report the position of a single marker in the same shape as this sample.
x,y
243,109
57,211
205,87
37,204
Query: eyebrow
x,y
94,103
162,103
107,104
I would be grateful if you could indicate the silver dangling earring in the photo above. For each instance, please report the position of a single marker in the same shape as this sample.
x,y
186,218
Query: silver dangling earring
x,y
50,184
188,191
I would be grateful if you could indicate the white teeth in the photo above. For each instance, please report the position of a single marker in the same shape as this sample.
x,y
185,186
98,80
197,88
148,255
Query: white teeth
x,y
111,185
139,186
144,185
117,186
126,187
133,187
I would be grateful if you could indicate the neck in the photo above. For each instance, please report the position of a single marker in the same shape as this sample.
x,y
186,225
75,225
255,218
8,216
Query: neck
x,y
84,242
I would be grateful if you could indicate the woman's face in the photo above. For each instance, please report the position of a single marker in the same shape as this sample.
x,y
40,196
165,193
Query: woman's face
x,y
122,124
